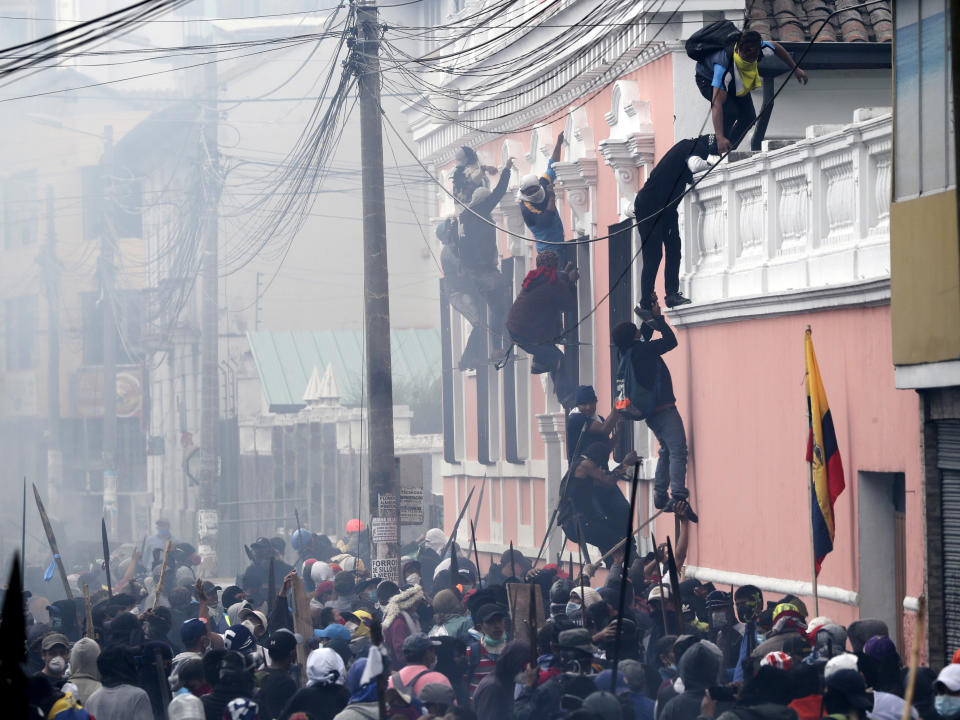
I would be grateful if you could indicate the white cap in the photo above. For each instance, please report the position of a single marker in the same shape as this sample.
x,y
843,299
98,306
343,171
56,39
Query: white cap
x,y
657,594
846,661
320,571
528,183
949,677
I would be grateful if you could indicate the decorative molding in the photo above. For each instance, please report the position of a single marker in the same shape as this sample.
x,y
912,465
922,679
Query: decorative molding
x,y
927,375
781,586
804,218
868,293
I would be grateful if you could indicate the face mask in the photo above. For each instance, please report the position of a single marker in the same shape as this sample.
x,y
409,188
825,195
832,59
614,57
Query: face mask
x,y
57,665
163,533
947,706
573,609
372,596
351,627
719,619
413,579
491,642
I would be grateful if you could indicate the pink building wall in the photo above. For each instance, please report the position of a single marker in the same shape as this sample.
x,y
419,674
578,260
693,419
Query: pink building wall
x,y
740,389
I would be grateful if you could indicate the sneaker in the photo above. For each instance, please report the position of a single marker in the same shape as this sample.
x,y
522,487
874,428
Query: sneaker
x,y
644,312
672,504
675,299
660,501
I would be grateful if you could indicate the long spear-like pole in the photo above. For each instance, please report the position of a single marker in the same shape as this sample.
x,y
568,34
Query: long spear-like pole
x,y
624,576
812,492
23,532
106,555
53,542
476,551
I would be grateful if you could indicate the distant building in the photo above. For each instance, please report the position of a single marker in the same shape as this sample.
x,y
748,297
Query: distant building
x,y
925,290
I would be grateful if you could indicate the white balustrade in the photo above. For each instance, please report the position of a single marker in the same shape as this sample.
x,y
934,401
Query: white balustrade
x,y
813,214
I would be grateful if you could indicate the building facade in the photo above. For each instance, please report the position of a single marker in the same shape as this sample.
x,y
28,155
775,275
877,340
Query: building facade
x,y
925,288
794,235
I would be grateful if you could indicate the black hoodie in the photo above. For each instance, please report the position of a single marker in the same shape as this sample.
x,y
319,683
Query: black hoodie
x,y
699,669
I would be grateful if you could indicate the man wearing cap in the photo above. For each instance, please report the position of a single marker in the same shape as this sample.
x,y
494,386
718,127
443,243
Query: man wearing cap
x,y
538,204
157,542
576,652
846,696
436,698
420,654
489,639
276,684
55,651
947,688
583,420
193,635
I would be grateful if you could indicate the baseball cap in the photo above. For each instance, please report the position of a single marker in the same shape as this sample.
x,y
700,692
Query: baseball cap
x,y
949,678
255,615
658,593
192,630
585,394
238,638
53,639
576,639
418,643
844,661
436,694
490,611
850,685
777,659
282,642
332,631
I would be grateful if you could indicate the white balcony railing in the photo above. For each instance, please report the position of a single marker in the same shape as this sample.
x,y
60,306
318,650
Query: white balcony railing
x,y
813,214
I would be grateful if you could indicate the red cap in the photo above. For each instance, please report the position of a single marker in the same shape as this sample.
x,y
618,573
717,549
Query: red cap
x,y
355,526
324,588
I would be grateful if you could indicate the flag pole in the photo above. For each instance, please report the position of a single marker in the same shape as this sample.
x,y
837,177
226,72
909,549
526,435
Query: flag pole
x,y
811,491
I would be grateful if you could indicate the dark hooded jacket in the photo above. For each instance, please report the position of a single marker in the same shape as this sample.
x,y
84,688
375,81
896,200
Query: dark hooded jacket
x,y
699,668
669,179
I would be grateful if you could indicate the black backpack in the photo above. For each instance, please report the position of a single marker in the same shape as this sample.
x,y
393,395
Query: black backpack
x,y
719,35
633,400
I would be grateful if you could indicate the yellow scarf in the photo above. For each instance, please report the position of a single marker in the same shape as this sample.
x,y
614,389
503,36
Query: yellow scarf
x,y
748,75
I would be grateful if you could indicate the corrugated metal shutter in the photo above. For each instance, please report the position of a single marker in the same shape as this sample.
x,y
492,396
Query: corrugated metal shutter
x,y
948,444
948,460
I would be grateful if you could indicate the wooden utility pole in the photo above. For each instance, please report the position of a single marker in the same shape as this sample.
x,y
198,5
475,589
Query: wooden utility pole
x,y
384,506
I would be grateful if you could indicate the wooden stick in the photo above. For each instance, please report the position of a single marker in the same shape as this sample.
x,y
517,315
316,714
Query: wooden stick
x,y
53,542
592,567
163,573
301,623
89,613
915,656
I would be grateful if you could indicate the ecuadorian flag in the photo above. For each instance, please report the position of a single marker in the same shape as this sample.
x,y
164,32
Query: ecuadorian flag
x,y
824,457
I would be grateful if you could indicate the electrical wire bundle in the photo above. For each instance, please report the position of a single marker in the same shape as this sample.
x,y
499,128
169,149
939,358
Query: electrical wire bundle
x,y
83,35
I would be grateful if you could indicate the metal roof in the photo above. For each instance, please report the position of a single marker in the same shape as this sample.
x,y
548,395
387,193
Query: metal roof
x,y
285,361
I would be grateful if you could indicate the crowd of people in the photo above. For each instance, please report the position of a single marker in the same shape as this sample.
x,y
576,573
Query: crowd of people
x,y
446,642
